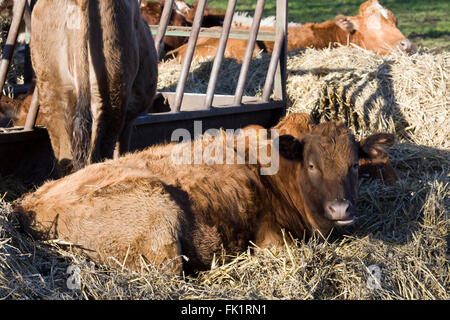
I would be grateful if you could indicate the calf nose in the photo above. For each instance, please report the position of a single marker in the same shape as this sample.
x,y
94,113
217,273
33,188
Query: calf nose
x,y
404,45
338,209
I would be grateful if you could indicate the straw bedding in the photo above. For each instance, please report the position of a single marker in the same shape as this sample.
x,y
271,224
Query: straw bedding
x,y
403,229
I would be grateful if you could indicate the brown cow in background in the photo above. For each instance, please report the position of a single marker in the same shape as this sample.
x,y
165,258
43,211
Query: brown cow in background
x,y
151,13
9,109
374,28
96,71
182,16
147,206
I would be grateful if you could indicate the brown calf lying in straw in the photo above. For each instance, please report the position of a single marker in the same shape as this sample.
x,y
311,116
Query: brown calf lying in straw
x,y
150,206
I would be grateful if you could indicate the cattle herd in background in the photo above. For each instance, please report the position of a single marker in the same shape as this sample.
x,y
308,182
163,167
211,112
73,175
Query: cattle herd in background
x,y
374,28
142,206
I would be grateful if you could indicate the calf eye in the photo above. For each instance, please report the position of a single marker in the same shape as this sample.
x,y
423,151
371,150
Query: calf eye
x,y
311,166
355,166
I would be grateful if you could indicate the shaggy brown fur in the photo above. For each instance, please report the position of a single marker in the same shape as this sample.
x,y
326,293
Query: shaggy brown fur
x,y
374,28
144,205
96,71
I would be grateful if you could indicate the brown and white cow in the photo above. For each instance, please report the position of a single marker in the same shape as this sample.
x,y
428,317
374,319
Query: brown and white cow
x,y
374,28
148,206
96,71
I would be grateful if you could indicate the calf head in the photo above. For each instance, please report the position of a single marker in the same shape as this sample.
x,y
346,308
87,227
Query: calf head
x,y
326,164
375,28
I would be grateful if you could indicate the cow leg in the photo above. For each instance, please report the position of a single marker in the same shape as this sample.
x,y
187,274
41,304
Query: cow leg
x,y
108,107
123,144
266,237
105,134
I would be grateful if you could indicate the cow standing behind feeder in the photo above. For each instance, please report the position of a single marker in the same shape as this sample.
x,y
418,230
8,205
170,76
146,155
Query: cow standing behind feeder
x,y
148,206
96,71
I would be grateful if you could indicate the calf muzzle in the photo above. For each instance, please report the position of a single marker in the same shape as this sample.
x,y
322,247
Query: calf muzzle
x,y
339,211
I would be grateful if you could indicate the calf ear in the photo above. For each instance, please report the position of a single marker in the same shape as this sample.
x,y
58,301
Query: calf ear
x,y
372,146
345,24
373,159
290,148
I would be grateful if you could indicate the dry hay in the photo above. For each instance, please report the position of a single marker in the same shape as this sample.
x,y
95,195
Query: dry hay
x,y
197,82
405,94
402,229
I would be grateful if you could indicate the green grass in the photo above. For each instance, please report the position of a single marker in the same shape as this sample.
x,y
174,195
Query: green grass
x,y
426,23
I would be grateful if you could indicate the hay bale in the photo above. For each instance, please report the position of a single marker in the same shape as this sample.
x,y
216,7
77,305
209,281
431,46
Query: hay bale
x,y
405,94
197,82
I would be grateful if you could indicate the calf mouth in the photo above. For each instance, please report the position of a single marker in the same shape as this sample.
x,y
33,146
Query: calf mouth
x,y
344,222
